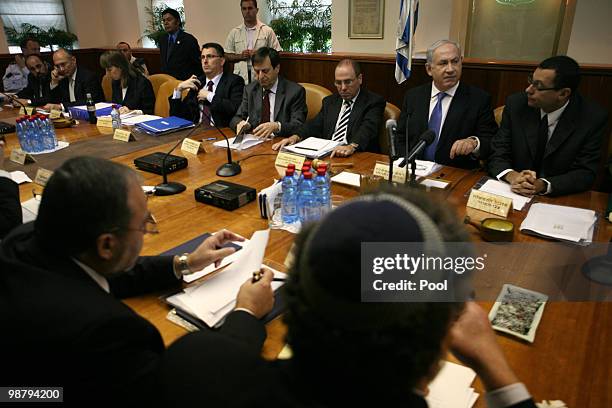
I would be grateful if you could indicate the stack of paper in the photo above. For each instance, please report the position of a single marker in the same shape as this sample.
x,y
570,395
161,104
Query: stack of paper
x,y
135,119
503,189
211,268
348,178
20,177
247,142
214,298
423,167
29,210
559,222
313,147
452,387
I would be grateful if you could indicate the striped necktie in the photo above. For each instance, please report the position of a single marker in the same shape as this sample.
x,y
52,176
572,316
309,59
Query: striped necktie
x,y
340,133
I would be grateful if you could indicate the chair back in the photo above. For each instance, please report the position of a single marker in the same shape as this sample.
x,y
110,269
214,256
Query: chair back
x,y
162,106
314,98
158,79
498,112
391,112
107,87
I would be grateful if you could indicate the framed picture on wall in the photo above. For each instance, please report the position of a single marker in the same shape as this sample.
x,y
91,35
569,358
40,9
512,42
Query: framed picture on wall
x,y
366,18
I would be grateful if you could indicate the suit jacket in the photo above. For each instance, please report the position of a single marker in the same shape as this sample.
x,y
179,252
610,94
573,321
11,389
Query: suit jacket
x,y
10,207
572,154
469,114
363,125
289,107
84,83
139,94
279,383
225,103
183,60
38,90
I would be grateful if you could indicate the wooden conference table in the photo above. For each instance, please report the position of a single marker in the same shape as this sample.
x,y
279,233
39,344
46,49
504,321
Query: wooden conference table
x,y
570,359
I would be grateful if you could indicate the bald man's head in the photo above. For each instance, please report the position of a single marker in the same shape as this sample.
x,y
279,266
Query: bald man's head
x,y
65,62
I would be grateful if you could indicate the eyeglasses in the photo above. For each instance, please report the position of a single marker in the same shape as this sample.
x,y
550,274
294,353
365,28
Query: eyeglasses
x,y
149,227
538,85
209,57
347,82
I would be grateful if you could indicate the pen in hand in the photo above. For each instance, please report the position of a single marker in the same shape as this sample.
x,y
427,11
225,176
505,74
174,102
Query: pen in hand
x,y
259,274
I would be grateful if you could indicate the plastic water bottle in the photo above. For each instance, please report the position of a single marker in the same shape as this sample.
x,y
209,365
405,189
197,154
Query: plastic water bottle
x,y
289,209
305,169
322,193
91,109
307,202
35,135
52,133
116,117
48,135
20,133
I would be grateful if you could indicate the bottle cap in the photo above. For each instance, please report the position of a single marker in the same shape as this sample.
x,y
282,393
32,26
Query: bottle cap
x,y
307,175
115,107
308,164
321,171
305,168
289,172
291,166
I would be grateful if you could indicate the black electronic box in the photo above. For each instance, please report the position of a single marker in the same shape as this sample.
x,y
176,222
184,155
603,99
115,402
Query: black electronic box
x,y
224,194
153,163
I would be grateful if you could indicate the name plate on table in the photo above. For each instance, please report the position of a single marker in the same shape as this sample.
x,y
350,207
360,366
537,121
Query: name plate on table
x,y
192,146
123,135
20,157
104,121
490,203
27,111
42,176
55,114
283,159
382,170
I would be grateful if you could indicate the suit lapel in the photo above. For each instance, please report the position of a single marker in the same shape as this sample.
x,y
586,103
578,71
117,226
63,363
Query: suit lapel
x,y
458,106
421,111
334,112
257,104
360,103
565,127
532,123
279,97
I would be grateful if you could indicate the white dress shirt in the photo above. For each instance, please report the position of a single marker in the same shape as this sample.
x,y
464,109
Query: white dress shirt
x,y
343,107
99,279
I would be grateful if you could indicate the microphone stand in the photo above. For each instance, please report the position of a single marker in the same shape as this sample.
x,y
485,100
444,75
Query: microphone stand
x,y
171,188
407,153
13,99
231,168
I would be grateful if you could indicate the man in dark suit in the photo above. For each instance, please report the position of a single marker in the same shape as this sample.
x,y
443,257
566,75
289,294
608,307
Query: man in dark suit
x,y
215,94
38,91
71,84
10,207
459,114
550,135
272,105
352,116
347,352
61,277
179,51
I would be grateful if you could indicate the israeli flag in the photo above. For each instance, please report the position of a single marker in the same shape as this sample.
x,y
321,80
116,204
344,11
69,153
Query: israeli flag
x,y
406,26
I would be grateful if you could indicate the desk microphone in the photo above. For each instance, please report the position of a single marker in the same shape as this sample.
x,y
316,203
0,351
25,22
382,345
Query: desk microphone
x,y
13,99
391,126
171,188
231,168
425,140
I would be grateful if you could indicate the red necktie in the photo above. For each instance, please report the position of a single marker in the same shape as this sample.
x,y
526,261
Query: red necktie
x,y
265,111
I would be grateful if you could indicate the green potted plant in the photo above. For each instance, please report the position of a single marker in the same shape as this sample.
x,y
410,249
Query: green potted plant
x,y
155,27
51,37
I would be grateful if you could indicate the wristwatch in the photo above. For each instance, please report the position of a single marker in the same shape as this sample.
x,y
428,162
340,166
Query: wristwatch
x,y
183,267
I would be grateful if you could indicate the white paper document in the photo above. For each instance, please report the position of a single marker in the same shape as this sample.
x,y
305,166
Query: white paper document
x,y
423,167
313,147
211,268
248,142
133,120
99,105
214,298
559,222
427,182
503,189
347,178
452,387
29,209
20,177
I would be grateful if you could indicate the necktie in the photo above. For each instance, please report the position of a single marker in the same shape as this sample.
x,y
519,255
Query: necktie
x,y
340,132
205,105
71,90
435,124
170,46
265,110
542,140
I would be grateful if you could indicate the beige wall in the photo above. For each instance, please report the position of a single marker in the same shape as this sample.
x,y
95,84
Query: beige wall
x,y
591,37
438,11
86,20
3,44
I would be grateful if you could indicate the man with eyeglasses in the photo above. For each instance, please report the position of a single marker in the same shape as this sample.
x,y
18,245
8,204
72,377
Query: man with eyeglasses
x,y
62,278
550,136
38,91
215,95
458,113
70,83
272,105
352,116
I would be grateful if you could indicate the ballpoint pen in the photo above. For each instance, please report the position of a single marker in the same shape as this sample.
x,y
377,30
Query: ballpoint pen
x,y
259,274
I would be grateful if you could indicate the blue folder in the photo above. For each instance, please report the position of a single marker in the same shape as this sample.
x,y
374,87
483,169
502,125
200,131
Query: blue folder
x,y
164,125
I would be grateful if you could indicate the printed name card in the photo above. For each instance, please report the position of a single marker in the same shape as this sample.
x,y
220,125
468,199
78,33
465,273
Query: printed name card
x,y
191,146
382,169
123,135
490,203
104,121
42,176
20,157
55,114
27,111
283,159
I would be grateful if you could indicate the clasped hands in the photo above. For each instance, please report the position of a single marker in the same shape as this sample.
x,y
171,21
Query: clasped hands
x,y
263,131
525,183
339,151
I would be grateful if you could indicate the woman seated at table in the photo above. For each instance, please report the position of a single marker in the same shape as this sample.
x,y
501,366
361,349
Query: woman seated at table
x,y
131,89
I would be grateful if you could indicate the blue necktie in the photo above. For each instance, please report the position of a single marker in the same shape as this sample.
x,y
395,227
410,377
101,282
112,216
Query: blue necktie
x,y
435,124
